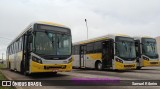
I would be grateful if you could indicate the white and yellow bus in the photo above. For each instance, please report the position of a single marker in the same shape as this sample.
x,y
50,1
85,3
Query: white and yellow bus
x,y
41,47
146,51
106,52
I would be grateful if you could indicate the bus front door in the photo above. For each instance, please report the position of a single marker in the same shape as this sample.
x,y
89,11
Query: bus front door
x,y
82,56
138,54
107,54
26,54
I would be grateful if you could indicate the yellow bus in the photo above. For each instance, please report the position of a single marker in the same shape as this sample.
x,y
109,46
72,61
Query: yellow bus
x,y
41,47
115,52
146,51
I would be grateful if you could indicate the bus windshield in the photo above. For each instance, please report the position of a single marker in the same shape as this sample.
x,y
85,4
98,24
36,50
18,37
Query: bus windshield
x,y
125,48
149,47
51,43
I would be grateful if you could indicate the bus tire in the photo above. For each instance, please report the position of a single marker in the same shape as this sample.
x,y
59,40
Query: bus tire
x,y
98,65
138,67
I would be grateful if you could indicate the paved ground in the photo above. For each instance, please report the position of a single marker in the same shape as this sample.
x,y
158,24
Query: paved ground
x,y
148,73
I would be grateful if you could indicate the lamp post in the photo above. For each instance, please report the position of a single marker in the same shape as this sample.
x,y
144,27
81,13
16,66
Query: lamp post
x,y
87,28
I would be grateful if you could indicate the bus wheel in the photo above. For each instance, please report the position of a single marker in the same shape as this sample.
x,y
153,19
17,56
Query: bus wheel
x,y
98,65
138,67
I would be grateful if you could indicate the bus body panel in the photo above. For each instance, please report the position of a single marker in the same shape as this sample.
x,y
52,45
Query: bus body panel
x,y
19,55
142,61
92,58
11,61
76,61
122,66
82,51
151,63
19,60
145,63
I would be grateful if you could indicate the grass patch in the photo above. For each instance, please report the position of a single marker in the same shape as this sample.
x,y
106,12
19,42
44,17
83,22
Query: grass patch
x,y
7,87
2,77
2,66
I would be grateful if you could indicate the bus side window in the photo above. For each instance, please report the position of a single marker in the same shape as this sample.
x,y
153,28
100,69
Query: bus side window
x,y
97,47
14,48
20,44
77,47
90,48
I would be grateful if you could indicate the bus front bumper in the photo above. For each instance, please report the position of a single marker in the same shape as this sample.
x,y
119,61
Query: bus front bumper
x,y
151,63
121,66
37,67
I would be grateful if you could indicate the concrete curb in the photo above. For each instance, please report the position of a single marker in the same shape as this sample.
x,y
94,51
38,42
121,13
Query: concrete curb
x,y
17,87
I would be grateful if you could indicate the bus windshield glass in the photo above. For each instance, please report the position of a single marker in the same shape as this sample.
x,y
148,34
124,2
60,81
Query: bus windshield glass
x,y
149,47
125,48
52,43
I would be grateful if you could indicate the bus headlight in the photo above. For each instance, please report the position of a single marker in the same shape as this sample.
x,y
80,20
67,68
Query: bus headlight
x,y
145,58
70,60
37,60
119,60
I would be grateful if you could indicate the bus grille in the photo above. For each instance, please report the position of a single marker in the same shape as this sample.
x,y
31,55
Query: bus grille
x,y
129,65
55,67
153,62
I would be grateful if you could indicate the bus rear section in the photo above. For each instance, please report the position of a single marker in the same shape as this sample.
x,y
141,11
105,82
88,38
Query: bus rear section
x,y
146,51
111,52
43,47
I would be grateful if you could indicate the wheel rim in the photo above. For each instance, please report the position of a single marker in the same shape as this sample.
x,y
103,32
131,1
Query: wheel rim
x,y
99,66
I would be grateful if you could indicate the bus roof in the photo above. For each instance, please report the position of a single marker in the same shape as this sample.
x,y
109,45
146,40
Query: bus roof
x,y
105,37
139,37
51,23
37,22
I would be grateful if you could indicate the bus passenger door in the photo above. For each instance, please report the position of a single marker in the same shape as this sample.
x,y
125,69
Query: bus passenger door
x,y
138,53
82,56
26,52
107,53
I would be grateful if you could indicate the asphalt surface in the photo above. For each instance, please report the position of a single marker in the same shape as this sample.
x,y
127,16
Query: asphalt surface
x,y
148,73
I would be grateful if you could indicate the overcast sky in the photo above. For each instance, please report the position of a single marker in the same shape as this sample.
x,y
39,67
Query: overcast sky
x,y
132,17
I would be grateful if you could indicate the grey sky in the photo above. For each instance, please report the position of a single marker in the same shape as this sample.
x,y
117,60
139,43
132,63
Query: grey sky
x,y
132,17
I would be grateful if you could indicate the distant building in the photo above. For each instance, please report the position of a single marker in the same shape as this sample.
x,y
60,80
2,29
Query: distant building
x,y
158,44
